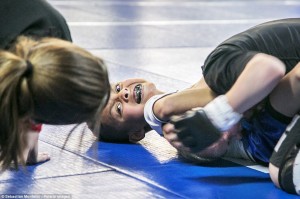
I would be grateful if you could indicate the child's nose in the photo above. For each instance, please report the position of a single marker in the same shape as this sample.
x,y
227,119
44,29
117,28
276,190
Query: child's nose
x,y
125,94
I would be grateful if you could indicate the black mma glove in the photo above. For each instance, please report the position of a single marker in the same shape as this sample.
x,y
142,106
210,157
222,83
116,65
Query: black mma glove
x,y
195,130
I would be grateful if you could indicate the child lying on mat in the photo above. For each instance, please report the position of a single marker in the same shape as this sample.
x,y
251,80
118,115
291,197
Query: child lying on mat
x,y
247,69
136,106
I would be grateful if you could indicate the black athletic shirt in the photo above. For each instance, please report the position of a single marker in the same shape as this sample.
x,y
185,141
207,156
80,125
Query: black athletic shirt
x,y
279,38
31,18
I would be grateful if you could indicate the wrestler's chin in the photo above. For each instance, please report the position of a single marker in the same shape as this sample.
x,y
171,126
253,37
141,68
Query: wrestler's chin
x,y
149,90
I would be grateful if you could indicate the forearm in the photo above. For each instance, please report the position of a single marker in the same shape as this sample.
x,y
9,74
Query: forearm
x,y
31,154
31,151
200,84
181,102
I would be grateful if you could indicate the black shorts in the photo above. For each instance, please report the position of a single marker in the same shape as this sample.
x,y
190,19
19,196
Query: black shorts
x,y
223,66
280,38
287,140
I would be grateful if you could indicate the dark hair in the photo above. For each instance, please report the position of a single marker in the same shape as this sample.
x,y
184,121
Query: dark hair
x,y
67,85
109,133
114,134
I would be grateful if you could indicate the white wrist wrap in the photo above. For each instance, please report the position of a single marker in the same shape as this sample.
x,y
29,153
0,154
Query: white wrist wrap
x,y
221,113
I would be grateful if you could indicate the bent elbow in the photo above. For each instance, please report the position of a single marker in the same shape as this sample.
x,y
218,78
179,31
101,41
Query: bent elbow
x,y
273,171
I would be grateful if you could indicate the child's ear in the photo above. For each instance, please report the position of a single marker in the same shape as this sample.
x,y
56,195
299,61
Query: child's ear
x,y
135,136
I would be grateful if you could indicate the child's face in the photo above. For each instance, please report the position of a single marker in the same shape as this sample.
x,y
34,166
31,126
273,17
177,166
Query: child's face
x,y
125,109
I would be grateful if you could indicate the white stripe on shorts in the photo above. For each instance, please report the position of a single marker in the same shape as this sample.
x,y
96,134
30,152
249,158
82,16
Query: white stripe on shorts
x,y
296,173
288,128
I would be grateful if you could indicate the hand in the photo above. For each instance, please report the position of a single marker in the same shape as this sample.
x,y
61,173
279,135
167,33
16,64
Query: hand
x,y
211,153
31,155
192,130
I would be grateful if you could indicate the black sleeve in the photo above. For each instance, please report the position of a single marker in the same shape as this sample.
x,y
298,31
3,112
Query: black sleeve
x,y
35,18
224,65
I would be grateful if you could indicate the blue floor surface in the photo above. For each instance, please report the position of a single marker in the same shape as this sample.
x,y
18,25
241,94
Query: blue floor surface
x,y
165,42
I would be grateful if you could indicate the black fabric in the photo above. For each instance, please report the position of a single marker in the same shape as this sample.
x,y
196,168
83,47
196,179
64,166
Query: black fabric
x,y
279,38
277,115
292,137
196,130
286,170
35,18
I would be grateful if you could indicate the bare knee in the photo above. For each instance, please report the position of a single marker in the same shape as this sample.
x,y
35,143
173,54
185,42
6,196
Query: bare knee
x,y
274,171
270,65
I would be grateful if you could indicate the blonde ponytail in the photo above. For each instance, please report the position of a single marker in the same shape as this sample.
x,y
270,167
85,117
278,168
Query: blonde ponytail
x,y
15,105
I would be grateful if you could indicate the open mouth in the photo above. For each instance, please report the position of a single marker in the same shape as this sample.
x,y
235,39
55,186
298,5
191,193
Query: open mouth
x,y
138,93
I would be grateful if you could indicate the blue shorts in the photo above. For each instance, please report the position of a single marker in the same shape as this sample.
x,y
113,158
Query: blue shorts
x,y
261,134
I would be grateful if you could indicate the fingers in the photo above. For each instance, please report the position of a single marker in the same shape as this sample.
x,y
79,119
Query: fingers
x,y
168,128
40,158
43,157
170,134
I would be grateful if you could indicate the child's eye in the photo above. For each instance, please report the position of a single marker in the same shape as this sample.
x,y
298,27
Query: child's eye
x,y
119,108
118,88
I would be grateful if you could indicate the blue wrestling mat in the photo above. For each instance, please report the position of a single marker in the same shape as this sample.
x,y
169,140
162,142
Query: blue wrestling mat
x,y
165,42
150,169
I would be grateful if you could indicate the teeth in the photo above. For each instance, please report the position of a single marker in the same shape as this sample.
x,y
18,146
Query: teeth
x,y
138,93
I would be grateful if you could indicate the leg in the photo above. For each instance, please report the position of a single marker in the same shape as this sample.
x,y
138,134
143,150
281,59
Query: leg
x,y
285,161
268,125
30,154
258,79
289,87
260,76
285,154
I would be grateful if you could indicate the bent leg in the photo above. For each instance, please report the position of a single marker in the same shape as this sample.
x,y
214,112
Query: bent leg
x,y
285,99
260,76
